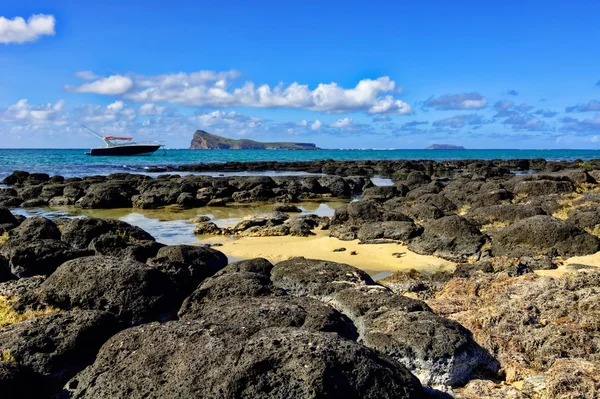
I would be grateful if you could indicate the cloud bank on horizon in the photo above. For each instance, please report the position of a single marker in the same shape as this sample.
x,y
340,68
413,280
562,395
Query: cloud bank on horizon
x,y
229,102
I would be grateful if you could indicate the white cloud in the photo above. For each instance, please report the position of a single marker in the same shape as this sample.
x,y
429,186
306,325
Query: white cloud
x,y
342,123
316,125
17,30
86,75
218,90
115,112
151,109
116,106
228,122
457,101
112,85
23,112
303,123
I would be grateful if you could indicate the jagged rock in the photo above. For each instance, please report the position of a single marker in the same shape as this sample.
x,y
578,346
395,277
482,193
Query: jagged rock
x,y
207,228
585,216
233,284
538,235
80,232
188,265
504,213
380,193
356,213
112,194
316,278
122,246
401,231
39,257
439,351
262,219
35,228
219,363
21,287
59,345
450,237
256,313
133,291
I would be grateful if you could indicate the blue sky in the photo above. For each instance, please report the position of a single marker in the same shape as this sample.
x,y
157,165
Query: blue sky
x,y
376,74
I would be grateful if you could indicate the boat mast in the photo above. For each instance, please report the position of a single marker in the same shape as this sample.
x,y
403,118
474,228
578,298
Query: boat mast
x,y
97,135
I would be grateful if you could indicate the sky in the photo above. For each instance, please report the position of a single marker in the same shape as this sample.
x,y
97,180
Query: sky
x,y
341,74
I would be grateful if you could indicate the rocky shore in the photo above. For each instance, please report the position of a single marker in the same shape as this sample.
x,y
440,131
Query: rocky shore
x,y
97,308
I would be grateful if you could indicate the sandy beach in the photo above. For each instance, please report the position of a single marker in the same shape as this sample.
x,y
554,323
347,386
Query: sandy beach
x,y
372,258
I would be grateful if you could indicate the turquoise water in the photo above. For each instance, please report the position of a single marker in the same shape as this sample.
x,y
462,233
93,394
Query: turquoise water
x,y
73,162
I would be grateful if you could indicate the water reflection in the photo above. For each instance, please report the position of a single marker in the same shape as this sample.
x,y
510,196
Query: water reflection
x,y
171,225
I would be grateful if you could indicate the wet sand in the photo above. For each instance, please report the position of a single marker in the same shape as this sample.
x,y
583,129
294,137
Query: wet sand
x,y
373,258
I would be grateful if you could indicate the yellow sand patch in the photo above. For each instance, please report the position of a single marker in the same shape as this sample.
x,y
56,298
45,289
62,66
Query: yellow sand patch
x,y
369,257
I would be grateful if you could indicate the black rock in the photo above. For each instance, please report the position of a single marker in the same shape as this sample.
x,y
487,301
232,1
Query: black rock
x,y
186,359
188,265
133,291
538,235
35,228
59,345
316,278
38,257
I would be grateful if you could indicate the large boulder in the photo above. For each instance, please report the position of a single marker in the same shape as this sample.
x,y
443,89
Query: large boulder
x,y
261,219
439,200
133,291
188,265
124,246
450,237
80,232
187,359
36,228
335,185
38,257
357,212
585,216
316,278
112,194
504,213
538,235
240,285
437,350
356,302
256,313
400,231
59,345
543,187
417,179
380,193
255,265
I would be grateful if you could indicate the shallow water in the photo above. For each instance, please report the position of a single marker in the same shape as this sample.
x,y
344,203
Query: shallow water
x,y
171,225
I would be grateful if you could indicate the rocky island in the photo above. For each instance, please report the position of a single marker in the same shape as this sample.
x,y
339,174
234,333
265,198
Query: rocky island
x,y
206,141
96,307
445,147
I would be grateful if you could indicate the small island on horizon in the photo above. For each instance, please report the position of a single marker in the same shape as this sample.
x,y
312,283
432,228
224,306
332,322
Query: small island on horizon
x,y
445,147
205,141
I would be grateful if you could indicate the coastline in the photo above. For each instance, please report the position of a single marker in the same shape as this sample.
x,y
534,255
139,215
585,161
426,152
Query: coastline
x,y
471,275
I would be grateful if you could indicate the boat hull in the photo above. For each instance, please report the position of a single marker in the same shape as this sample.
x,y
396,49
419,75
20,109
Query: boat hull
x,y
142,149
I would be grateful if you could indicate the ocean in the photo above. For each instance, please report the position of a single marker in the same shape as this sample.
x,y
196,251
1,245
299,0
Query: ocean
x,y
74,163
